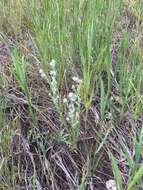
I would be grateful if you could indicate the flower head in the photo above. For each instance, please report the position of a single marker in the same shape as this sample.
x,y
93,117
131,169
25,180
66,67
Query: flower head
x,y
42,73
65,100
53,64
72,96
77,80
53,73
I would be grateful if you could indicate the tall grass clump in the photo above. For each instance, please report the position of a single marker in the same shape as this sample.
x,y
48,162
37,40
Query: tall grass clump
x,y
76,33
71,94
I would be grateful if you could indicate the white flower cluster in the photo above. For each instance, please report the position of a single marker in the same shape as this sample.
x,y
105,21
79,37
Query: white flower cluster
x,y
42,73
72,103
77,80
111,185
53,83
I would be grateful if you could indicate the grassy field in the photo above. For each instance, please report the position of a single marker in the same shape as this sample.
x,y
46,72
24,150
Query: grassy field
x,y
71,94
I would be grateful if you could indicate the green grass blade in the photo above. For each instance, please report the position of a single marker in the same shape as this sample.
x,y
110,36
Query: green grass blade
x,y
117,173
135,179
